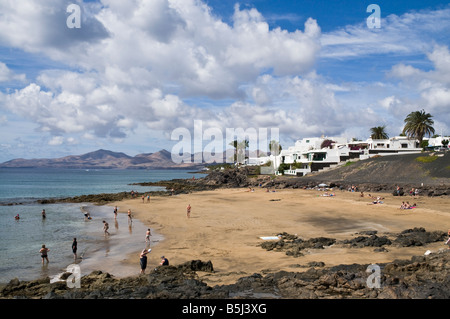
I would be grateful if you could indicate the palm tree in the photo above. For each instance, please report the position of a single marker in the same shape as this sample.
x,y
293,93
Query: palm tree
x,y
239,152
275,147
379,133
418,124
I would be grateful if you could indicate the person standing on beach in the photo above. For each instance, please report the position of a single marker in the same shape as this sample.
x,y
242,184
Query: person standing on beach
x,y
129,216
74,248
143,260
115,212
105,228
188,211
43,214
44,254
147,236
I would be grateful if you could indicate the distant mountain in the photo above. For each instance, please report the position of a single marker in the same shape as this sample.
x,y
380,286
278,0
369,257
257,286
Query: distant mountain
x,y
104,159
109,159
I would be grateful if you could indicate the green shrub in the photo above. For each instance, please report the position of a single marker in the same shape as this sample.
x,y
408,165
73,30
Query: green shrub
x,y
426,159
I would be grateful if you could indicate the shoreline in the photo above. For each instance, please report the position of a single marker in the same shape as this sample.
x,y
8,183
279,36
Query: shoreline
x,y
222,207
225,231
226,225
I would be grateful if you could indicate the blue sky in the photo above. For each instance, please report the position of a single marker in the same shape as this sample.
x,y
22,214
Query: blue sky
x,y
137,70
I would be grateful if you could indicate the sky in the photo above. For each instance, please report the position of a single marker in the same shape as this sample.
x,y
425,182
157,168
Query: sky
x,y
132,74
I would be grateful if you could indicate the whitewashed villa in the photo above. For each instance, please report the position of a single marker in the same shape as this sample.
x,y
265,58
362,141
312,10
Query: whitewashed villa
x,y
318,153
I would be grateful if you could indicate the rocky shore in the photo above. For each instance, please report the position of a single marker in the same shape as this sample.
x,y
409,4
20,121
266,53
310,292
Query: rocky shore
x,y
243,177
246,177
422,277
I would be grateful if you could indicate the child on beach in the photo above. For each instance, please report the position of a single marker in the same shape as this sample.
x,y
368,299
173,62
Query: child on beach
x,y
44,252
105,228
188,211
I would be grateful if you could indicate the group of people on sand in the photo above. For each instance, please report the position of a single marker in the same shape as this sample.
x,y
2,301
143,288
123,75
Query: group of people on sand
x,y
143,260
375,199
407,205
144,252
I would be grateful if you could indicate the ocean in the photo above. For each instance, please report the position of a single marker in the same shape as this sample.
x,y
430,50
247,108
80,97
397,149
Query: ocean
x,y
21,239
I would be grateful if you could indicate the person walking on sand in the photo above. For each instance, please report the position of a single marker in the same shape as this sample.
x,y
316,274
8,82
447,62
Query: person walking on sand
x,y
74,248
129,216
143,260
188,211
147,236
105,228
44,253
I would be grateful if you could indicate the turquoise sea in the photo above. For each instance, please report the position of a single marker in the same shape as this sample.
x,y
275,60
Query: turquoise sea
x,y
21,239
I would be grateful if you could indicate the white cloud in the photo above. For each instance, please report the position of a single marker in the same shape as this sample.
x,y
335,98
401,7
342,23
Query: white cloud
x,y
6,75
150,56
409,33
56,140
153,65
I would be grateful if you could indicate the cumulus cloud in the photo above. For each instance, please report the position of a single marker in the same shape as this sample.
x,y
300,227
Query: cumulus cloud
x,y
156,64
432,87
6,75
143,60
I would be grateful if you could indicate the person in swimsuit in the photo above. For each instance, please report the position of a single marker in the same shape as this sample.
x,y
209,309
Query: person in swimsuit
x,y
115,212
74,248
43,214
188,211
147,236
129,216
44,252
143,260
105,227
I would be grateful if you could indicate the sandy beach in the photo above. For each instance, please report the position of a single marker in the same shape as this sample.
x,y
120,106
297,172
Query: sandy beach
x,y
225,227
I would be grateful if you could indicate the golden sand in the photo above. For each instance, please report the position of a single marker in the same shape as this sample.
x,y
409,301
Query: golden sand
x,y
225,227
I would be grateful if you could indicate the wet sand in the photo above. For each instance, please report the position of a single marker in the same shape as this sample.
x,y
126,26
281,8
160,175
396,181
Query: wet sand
x,y
226,225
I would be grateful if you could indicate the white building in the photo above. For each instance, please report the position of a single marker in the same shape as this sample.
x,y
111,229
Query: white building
x,y
308,155
436,142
